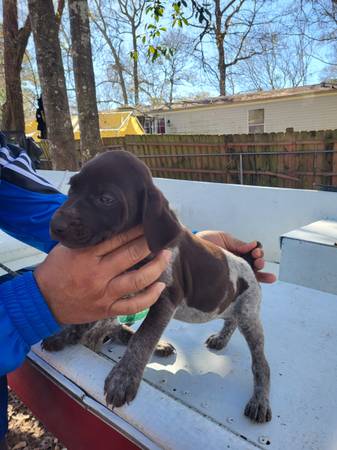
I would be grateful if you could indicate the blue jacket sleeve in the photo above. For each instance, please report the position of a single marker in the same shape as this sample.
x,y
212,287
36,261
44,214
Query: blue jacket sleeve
x,y
24,320
27,200
27,203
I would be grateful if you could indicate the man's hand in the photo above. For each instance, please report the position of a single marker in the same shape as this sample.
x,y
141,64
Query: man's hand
x,y
89,284
230,243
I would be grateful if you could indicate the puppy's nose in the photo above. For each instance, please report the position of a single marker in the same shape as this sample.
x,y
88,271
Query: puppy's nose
x,y
59,225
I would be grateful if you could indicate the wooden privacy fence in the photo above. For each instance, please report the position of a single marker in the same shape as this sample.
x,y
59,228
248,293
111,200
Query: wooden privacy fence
x,y
292,159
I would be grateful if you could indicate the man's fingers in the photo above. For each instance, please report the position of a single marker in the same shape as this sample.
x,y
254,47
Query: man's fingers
x,y
136,280
123,258
258,253
137,303
251,247
259,264
265,277
118,241
246,248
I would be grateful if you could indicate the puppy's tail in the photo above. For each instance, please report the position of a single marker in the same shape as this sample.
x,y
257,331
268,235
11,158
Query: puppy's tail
x,y
248,256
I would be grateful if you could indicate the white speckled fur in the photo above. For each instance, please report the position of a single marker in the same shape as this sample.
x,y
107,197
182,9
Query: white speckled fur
x,y
187,314
167,276
237,268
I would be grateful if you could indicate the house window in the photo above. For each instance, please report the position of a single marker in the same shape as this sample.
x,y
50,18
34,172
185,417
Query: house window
x,y
161,125
148,122
256,121
154,125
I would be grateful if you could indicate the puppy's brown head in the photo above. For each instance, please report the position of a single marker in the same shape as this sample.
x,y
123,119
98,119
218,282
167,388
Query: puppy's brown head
x,y
112,193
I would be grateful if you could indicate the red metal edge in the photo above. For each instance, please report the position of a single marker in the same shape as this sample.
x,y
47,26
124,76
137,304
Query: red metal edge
x,y
75,426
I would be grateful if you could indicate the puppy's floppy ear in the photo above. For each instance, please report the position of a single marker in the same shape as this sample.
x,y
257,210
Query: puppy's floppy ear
x,y
161,225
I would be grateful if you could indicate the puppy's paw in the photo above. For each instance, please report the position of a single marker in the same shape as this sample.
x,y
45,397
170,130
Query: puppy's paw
x,y
53,343
258,410
121,385
69,335
216,341
164,348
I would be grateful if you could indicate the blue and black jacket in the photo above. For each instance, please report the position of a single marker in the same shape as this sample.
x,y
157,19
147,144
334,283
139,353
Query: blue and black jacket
x,y
27,202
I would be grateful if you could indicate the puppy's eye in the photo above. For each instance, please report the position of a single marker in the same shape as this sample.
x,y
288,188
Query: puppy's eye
x,y
107,199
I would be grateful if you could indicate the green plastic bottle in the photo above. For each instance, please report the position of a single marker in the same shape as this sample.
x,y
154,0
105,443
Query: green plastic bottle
x,y
132,318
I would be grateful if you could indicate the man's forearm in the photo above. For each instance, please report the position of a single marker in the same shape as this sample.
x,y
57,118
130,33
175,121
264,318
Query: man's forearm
x,y
25,319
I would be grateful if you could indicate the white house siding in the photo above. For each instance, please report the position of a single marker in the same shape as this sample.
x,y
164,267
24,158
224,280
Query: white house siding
x,y
305,113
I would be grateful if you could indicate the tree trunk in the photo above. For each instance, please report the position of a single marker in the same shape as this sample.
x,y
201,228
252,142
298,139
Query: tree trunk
x,y
135,64
84,78
220,47
222,70
52,80
15,43
171,91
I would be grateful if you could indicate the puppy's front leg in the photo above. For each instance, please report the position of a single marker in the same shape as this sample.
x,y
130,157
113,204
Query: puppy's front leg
x,y
121,385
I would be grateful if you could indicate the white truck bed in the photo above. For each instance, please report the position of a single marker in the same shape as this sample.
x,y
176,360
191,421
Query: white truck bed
x,y
195,398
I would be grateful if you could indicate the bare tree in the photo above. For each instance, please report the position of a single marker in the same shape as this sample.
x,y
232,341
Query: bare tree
x,y
176,65
330,71
233,24
131,14
111,36
84,78
30,85
130,75
121,23
321,15
66,50
315,21
284,61
52,80
160,80
15,42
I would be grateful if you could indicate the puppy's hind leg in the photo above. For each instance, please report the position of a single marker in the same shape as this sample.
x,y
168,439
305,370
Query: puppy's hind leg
x,y
100,332
258,408
69,335
219,340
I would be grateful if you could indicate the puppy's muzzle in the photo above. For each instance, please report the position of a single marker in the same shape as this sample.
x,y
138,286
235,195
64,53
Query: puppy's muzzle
x,y
67,228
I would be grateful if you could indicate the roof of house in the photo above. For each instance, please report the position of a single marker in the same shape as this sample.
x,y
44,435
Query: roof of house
x,y
112,124
324,87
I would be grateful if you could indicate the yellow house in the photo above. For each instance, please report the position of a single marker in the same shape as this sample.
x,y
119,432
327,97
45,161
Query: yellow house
x,y
112,124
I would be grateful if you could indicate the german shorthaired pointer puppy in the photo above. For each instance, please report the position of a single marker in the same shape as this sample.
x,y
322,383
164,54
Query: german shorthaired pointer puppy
x,y
114,192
